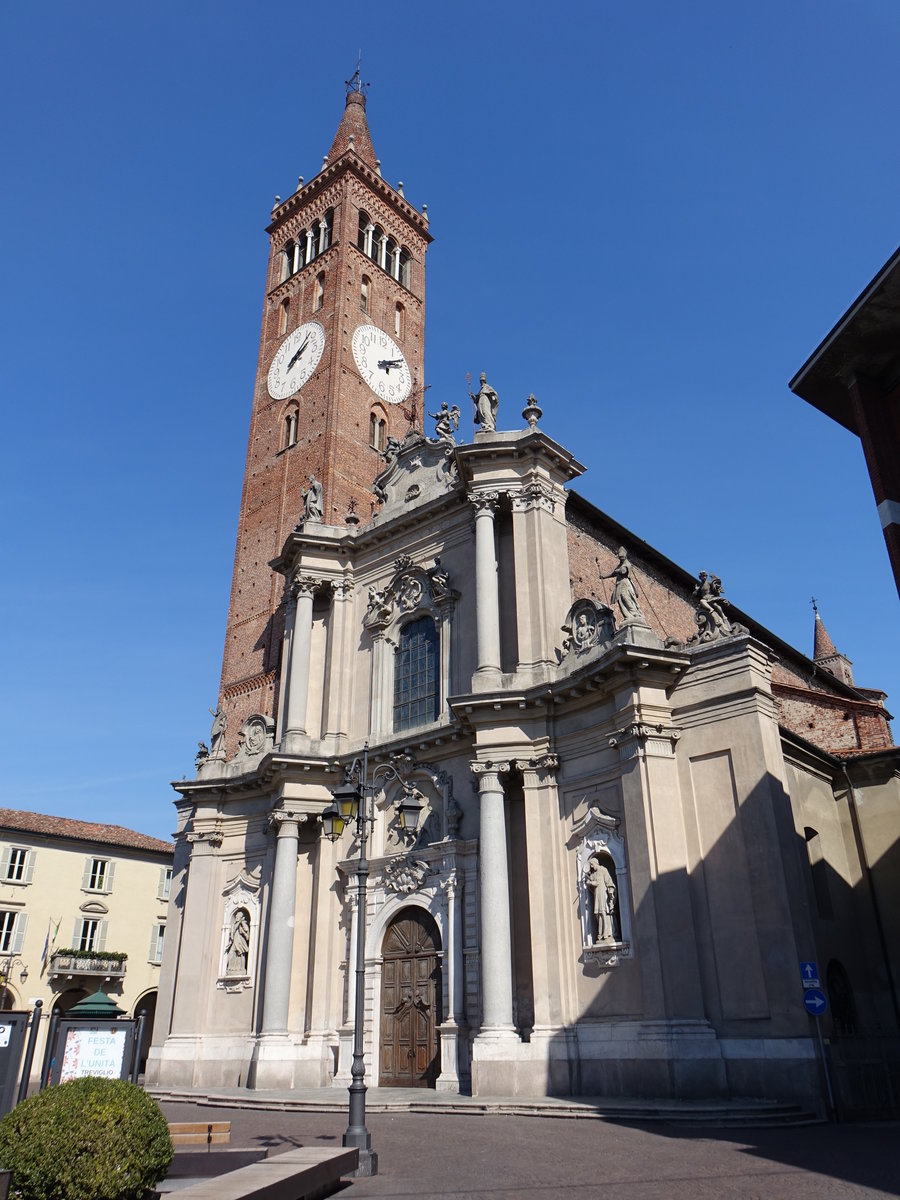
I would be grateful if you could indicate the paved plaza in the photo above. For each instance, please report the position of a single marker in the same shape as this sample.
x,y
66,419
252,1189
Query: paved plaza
x,y
450,1156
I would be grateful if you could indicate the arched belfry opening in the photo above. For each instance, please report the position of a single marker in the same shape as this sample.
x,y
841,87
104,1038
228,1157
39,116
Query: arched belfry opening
x,y
411,994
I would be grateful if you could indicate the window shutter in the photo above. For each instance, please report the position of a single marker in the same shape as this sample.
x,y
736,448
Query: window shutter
x,y
19,935
76,933
162,892
29,866
109,876
154,930
4,862
100,940
86,877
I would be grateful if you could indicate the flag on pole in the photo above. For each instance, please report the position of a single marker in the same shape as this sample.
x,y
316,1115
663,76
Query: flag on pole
x,y
49,942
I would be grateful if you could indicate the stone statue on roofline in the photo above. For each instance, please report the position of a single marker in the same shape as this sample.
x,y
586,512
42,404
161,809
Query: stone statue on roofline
x,y
712,620
486,404
217,733
313,501
446,421
624,596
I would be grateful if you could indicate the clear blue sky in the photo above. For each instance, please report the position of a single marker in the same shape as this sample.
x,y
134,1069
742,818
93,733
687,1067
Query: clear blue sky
x,y
648,214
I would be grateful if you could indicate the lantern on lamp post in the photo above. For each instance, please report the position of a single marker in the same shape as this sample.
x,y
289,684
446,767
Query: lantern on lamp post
x,y
353,803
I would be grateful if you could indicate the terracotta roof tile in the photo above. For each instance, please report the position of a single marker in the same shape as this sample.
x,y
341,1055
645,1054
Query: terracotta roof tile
x,y
82,831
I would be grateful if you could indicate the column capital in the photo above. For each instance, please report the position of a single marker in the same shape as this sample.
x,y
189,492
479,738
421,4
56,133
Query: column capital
x,y
285,823
305,585
535,494
538,769
485,502
487,774
212,837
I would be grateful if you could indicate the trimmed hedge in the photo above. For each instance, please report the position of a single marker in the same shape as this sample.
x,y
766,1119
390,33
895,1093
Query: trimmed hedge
x,y
89,1139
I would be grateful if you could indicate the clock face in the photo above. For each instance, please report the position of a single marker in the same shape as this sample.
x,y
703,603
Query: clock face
x,y
296,359
381,364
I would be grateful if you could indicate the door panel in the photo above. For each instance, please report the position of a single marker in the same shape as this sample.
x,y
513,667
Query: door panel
x,y
411,995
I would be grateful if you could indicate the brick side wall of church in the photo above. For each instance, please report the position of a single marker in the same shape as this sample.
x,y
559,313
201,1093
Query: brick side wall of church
x,y
816,713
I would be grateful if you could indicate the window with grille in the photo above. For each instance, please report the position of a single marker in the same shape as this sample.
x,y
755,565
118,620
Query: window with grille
x,y
416,675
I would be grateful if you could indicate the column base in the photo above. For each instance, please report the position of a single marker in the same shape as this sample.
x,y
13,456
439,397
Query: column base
x,y
448,1080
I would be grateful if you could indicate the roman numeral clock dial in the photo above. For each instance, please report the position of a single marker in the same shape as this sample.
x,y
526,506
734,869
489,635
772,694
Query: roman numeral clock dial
x,y
295,360
381,363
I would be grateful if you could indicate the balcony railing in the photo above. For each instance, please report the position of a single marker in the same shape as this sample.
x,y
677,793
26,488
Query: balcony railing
x,y
78,965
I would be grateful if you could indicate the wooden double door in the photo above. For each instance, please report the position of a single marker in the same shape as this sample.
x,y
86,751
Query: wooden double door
x,y
411,995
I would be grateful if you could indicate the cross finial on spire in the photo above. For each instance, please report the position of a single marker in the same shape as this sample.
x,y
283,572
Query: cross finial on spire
x,y
355,82
814,602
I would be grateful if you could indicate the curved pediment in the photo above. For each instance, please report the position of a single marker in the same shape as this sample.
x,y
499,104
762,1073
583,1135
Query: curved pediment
x,y
418,469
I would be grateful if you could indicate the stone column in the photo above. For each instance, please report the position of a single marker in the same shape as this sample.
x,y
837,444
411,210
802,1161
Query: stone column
x,y
370,233
487,602
296,256
323,233
448,1030
496,942
290,609
310,252
281,923
301,642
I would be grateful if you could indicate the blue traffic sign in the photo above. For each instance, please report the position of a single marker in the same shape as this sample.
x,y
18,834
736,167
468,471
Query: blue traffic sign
x,y
809,973
814,1002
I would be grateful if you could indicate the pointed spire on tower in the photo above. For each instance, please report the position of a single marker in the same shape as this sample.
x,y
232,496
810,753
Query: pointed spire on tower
x,y
825,654
353,131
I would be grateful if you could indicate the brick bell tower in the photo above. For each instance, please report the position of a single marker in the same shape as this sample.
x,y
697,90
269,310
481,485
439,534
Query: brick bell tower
x,y
340,370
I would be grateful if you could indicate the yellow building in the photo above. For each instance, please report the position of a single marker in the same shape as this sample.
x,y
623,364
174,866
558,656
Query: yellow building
x,y
82,907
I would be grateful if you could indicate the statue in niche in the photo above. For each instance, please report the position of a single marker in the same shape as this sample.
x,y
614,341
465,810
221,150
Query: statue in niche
x,y
217,733
486,404
237,948
313,501
624,597
711,604
601,882
446,421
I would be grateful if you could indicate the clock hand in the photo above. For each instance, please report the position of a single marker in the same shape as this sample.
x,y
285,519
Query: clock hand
x,y
385,364
299,352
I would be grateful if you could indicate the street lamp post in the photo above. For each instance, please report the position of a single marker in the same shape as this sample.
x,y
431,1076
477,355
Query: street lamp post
x,y
354,801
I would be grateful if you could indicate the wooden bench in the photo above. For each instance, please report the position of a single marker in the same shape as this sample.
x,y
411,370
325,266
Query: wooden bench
x,y
304,1174
200,1133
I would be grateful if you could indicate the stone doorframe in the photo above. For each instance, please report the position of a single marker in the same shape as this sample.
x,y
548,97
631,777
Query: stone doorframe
x,y
435,889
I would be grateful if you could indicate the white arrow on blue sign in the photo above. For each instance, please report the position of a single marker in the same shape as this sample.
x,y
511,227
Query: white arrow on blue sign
x,y
809,973
814,1002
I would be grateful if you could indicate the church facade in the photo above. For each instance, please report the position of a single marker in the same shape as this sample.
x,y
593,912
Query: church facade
x,y
638,811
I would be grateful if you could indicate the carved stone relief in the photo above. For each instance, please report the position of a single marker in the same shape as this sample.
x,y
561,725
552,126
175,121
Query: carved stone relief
x,y
587,625
411,587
